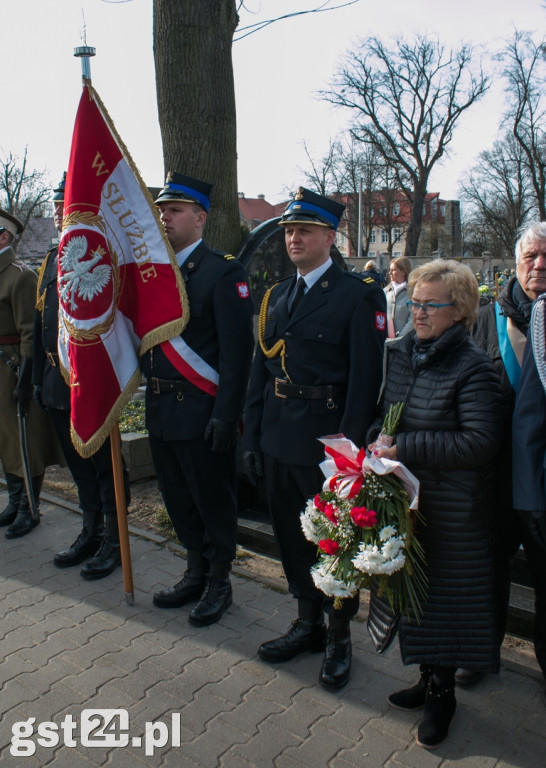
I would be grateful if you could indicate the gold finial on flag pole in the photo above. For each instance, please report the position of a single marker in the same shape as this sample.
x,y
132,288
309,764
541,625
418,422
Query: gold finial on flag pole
x,y
84,52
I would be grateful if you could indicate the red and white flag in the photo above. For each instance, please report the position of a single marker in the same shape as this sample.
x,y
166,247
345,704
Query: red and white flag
x,y
120,290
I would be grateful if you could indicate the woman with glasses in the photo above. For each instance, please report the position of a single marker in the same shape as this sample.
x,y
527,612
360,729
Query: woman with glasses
x,y
448,437
398,315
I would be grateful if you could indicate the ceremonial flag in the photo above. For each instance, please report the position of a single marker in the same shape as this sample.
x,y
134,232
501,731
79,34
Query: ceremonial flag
x,y
120,290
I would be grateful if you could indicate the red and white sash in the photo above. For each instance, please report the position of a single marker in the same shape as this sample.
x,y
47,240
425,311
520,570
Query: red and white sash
x,y
191,366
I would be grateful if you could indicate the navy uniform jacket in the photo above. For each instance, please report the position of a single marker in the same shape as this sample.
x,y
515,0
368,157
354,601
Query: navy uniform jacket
x,y
55,391
335,336
219,331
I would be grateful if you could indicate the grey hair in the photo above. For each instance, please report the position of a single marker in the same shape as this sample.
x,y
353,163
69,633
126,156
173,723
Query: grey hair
x,y
529,237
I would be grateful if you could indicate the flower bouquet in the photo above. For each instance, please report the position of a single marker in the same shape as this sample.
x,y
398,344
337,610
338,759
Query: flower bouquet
x,y
362,523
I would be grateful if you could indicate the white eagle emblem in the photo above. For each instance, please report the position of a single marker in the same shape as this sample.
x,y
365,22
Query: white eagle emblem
x,y
79,278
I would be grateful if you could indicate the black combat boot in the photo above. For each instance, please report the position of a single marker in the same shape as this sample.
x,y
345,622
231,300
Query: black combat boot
x,y
306,633
189,588
108,558
15,487
414,697
23,522
216,598
336,666
87,543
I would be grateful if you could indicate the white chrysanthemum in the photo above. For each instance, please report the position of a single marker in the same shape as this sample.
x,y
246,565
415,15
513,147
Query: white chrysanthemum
x,y
392,547
324,580
387,532
307,520
369,559
391,566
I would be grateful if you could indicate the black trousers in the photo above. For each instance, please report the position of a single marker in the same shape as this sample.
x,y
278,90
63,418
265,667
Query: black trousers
x,y
94,476
535,555
199,491
288,487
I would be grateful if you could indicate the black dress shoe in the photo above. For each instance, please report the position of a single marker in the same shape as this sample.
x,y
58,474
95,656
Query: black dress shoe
x,y
302,636
216,599
336,666
22,525
107,559
86,545
190,588
468,677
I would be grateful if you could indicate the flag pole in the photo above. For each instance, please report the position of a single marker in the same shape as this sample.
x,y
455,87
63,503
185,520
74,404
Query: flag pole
x,y
121,508
84,53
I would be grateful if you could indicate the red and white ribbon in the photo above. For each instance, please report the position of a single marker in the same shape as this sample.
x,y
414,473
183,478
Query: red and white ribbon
x,y
346,467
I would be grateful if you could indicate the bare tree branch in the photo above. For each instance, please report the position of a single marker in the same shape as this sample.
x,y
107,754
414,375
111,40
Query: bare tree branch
x,y
250,29
406,101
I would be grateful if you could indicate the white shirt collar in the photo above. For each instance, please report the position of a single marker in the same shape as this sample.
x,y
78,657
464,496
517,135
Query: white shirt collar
x,y
182,255
312,277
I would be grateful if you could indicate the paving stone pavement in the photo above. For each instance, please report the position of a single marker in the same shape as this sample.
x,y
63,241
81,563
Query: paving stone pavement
x,y
201,697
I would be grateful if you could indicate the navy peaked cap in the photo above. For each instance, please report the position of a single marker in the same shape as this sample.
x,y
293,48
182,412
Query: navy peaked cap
x,y
184,189
310,208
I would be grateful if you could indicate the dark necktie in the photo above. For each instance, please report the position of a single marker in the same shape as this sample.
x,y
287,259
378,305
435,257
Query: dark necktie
x,y
299,295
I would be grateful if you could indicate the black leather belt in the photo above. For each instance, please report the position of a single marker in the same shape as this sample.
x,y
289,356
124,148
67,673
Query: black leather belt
x,y
326,392
168,385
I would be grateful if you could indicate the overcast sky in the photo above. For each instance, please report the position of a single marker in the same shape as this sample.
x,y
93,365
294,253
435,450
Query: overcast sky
x,y
278,73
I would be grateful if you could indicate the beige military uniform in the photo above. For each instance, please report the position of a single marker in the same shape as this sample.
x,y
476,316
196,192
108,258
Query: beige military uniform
x,y
17,304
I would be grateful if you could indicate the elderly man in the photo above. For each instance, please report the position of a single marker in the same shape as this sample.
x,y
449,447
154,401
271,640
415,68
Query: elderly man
x,y
317,372
17,300
501,331
529,429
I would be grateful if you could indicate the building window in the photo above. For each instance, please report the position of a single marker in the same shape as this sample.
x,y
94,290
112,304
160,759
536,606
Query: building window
x,y
384,236
396,209
397,254
397,233
372,236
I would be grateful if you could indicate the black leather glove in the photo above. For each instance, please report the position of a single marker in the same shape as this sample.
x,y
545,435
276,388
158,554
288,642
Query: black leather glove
x,y
222,433
38,395
253,466
23,390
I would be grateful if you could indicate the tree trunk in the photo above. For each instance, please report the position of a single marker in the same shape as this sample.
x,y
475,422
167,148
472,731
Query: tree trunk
x,y
414,227
196,103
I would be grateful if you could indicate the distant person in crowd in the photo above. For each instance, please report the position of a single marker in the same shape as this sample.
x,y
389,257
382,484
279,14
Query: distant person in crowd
x,y
17,301
317,371
196,385
448,437
94,479
399,320
529,430
370,270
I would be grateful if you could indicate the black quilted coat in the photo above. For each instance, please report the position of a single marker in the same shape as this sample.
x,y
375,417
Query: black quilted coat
x,y
448,437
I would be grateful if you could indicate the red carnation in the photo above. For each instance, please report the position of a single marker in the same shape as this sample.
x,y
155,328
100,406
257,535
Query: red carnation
x,y
330,512
329,546
364,518
318,502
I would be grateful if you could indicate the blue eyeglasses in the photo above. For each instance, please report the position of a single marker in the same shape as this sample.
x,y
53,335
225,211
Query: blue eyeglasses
x,y
428,308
